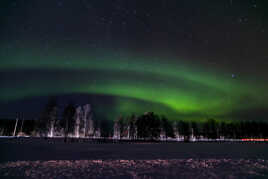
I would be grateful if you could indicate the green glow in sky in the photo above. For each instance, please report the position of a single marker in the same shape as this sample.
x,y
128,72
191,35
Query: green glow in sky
x,y
171,86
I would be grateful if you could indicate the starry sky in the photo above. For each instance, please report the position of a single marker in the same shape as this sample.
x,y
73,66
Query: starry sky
x,y
186,59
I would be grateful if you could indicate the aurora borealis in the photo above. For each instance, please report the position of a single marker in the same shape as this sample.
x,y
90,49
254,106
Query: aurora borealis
x,y
173,58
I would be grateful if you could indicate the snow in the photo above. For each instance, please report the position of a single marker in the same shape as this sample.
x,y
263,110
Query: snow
x,y
186,168
52,158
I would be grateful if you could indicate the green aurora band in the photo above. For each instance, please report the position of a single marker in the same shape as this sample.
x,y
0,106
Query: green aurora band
x,y
171,87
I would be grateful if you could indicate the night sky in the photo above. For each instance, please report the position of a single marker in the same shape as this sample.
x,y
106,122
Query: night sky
x,y
186,59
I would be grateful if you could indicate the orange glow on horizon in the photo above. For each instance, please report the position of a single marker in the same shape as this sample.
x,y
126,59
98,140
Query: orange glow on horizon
x,y
258,140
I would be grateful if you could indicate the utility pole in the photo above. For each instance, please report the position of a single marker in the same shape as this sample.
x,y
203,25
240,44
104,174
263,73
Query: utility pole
x,y
15,126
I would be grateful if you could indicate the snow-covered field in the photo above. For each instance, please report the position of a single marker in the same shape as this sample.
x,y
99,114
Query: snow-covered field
x,y
176,168
39,158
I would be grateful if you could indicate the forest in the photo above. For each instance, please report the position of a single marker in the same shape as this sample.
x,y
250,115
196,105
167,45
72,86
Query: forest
x,y
148,126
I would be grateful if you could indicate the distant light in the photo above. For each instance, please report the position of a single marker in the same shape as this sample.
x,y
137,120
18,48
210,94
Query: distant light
x,y
256,140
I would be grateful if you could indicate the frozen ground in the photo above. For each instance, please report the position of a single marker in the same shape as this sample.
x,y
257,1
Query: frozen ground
x,y
36,158
176,168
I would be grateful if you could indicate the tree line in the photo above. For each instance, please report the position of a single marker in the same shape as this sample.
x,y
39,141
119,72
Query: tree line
x,y
151,126
146,126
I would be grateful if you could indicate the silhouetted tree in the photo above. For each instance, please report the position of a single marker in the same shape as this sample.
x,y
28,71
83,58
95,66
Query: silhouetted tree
x,y
106,128
210,128
184,129
222,129
132,127
122,126
230,130
7,126
142,127
242,129
196,130
263,129
148,126
167,127
29,126
237,130
68,120
47,118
